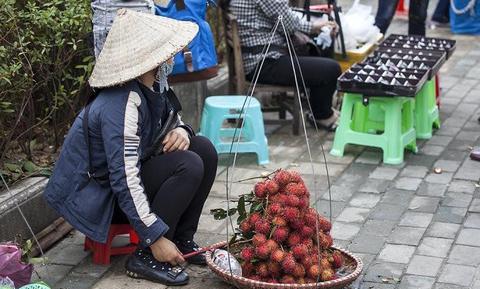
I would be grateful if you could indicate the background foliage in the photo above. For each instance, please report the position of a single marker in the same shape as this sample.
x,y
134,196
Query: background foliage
x,y
45,61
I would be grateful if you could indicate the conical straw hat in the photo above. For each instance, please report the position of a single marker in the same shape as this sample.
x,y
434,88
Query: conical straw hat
x,y
137,43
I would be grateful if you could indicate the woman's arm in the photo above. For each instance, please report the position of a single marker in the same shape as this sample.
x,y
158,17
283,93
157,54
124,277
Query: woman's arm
x,y
274,8
121,135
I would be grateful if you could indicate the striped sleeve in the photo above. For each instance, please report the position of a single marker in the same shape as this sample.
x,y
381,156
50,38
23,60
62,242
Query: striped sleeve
x,y
121,124
291,20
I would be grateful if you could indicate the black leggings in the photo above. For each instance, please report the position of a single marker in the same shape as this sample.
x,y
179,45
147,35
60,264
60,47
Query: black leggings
x,y
320,76
177,185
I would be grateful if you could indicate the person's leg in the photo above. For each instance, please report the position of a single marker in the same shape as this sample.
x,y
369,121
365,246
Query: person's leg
x,y
171,181
385,12
187,226
320,75
417,15
442,12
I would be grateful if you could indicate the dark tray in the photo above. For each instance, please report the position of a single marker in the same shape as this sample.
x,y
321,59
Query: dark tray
x,y
433,60
432,67
371,80
420,42
433,54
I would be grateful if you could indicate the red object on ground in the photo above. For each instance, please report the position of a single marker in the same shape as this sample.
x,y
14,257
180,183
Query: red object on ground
x,y
401,11
102,252
437,89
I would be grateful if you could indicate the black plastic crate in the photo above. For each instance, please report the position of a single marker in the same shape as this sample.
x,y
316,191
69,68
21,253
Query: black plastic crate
x,y
420,42
373,80
431,66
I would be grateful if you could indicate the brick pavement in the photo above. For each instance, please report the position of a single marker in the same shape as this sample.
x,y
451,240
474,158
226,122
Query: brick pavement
x,y
413,228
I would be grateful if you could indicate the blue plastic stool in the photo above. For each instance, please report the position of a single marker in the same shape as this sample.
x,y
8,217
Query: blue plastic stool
x,y
218,109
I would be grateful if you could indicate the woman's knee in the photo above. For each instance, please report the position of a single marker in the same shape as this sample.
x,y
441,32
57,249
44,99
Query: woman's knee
x,y
191,165
203,147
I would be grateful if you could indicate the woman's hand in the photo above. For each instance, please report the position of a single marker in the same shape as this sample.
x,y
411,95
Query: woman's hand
x,y
319,24
176,139
165,250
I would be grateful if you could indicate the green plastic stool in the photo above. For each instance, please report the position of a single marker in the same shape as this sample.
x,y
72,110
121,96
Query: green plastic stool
x,y
398,132
426,114
426,111
219,109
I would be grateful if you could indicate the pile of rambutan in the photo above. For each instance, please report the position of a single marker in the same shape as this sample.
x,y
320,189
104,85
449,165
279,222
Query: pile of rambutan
x,y
290,241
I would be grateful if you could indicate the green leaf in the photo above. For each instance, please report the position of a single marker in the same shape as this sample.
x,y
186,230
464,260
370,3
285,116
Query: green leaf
x,y
30,167
218,214
14,168
241,207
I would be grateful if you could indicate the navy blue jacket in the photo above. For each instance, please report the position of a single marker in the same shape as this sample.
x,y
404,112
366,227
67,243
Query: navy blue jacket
x,y
122,122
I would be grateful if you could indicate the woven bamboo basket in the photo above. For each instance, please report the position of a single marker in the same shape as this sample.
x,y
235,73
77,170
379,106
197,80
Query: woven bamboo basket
x,y
244,283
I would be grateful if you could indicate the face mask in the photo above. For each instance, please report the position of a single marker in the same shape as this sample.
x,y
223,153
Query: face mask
x,y
162,73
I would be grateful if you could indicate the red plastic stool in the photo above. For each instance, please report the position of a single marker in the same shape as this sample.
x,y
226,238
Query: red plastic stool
x,y
437,89
102,252
401,11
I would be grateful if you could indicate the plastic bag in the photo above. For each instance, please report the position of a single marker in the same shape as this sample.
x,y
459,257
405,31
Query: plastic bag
x,y
358,26
222,258
6,283
11,265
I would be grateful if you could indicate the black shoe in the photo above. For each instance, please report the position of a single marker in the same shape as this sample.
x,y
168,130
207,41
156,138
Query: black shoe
x,y
190,246
312,120
142,265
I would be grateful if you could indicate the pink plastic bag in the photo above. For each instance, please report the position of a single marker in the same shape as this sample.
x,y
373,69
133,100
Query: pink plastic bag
x,y
11,265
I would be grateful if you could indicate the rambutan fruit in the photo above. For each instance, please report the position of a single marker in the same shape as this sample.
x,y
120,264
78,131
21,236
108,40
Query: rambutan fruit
x,y
307,261
245,226
262,251
309,280
274,209
262,226
280,234
247,269
287,279
272,245
291,213
299,271
296,224
279,221
296,189
255,278
299,251
289,264
314,272
293,239
295,177
325,264
328,275
310,219
293,201
258,239
307,231
271,187
278,255
304,202
260,190
337,259
324,224
307,242
262,270
301,281
254,218
274,268
247,254
282,177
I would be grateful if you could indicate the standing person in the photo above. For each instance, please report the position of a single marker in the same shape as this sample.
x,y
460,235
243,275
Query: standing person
x,y
256,19
104,12
112,169
442,12
417,15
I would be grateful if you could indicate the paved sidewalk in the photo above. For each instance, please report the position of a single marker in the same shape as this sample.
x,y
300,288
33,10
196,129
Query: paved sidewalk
x,y
412,228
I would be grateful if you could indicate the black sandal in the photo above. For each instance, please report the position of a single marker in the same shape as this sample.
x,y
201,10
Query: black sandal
x,y
312,121
143,265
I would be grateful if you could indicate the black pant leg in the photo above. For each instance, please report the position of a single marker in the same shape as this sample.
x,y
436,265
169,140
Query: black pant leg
x,y
417,15
320,75
171,181
187,226
385,12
